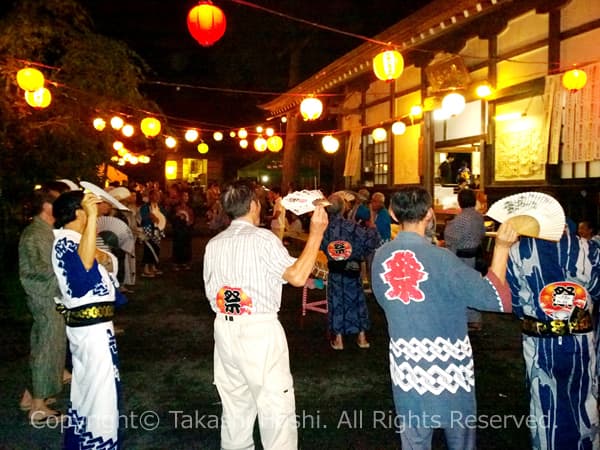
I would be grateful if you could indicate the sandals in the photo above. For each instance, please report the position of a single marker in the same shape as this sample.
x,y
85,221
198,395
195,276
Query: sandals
x,y
336,346
363,344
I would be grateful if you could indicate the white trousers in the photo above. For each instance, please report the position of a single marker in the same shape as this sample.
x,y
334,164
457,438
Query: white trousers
x,y
252,375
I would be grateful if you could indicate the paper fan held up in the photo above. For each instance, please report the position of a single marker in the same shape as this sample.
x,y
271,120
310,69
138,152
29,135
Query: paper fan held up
x,y
532,214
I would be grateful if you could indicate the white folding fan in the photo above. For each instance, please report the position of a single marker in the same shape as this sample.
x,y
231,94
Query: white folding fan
x,y
91,187
531,214
120,229
301,202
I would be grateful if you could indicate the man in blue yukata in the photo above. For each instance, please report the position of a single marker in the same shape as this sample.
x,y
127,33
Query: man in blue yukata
x,y
553,284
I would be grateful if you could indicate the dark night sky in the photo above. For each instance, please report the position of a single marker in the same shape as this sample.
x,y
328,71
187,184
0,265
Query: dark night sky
x,y
253,54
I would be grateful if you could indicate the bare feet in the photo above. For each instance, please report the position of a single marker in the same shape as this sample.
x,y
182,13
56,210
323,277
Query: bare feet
x,y
27,401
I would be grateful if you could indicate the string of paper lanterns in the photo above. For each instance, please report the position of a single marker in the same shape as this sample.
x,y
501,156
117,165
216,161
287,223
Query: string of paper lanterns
x,y
388,67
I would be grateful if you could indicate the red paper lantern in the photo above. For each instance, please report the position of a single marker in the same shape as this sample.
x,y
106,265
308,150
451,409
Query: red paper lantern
x,y
206,23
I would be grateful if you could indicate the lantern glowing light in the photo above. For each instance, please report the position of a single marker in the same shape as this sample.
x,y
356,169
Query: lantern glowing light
x,y
330,144
30,79
242,133
218,136
38,99
127,130
379,134
202,148
191,135
244,143
99,124
483,90
206,23
574,79
232,134
171,170
416,111
311,108
117,145
274,144
150,126
453,103
398,128
388,65
170,142
260,144
269,131
144,159
116,122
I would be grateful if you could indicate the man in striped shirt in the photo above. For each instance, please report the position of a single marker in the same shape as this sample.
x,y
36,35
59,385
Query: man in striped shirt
x,y
245,268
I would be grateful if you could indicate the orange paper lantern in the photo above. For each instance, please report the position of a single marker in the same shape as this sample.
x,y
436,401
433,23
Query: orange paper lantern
x,y
574,79
206,23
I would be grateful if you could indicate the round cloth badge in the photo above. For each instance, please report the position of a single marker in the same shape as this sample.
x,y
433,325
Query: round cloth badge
x,y
558,299
233,301
339,250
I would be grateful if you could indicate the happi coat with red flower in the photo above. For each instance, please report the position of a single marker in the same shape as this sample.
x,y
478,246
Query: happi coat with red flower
x,y
424,291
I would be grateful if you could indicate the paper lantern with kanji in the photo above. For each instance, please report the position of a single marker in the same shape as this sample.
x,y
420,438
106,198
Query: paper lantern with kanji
x,y
388,65
150,126
206,23
574,80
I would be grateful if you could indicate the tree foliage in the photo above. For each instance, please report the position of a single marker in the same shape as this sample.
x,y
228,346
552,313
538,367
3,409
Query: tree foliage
x,y
87,74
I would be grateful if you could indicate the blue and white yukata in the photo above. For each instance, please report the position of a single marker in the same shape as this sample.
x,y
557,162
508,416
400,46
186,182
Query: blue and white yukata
x,y
553,284
88,298
424,291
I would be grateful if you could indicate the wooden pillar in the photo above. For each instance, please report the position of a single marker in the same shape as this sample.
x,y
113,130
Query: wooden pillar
x,y
290,151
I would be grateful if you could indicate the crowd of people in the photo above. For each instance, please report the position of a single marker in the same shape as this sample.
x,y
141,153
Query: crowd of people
x,y
77,260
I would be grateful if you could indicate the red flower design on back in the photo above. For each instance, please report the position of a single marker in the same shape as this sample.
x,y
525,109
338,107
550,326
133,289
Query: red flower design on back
x,y
403,275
